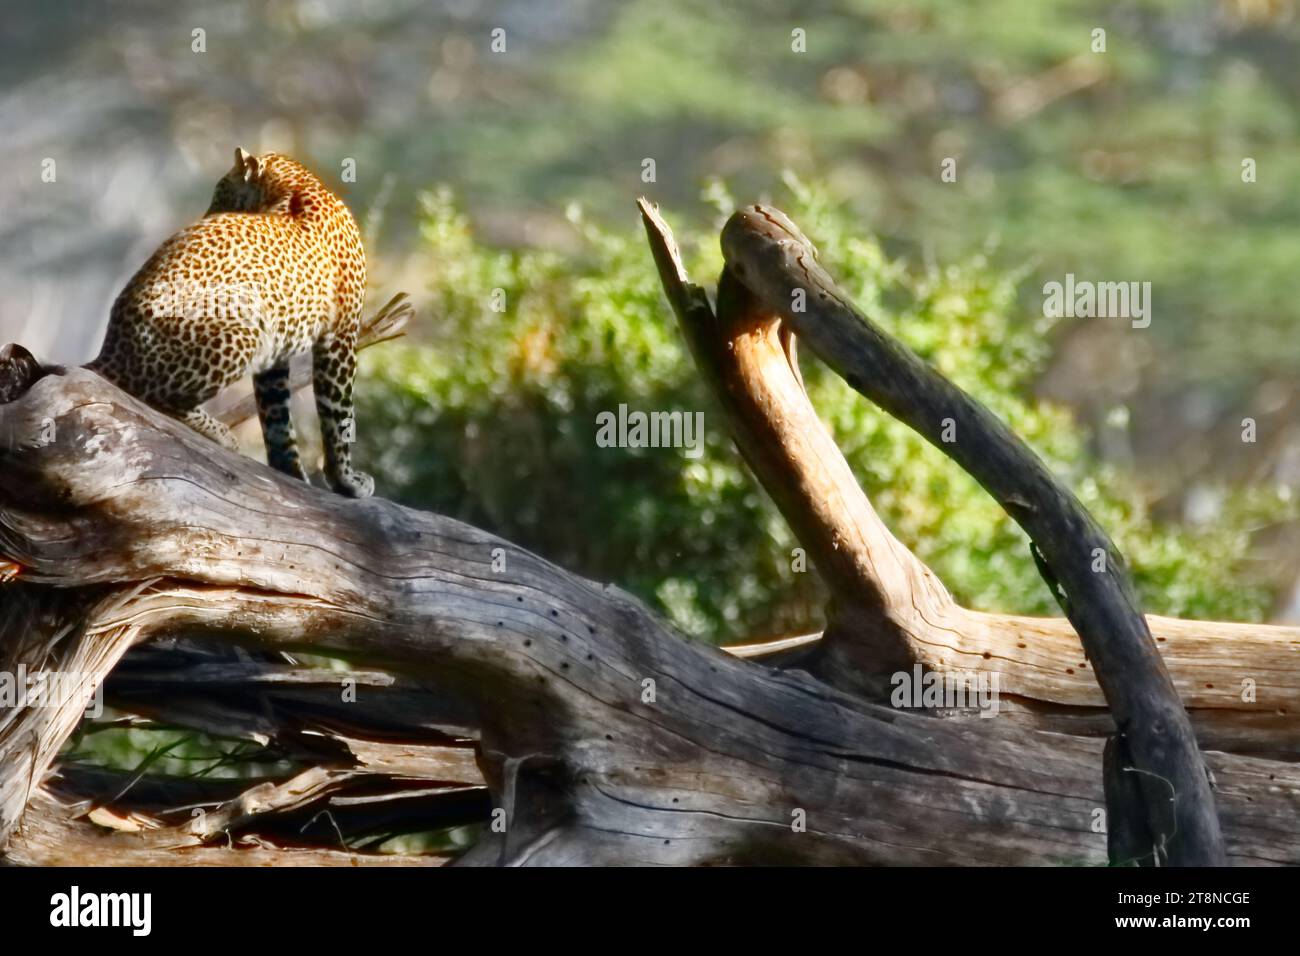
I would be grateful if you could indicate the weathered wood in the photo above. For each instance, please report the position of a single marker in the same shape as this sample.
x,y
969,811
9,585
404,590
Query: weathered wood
x,y
1128,841
18,370
1238,680
873,580
151,531
56,834
346,806
772,259
301,711
1212,663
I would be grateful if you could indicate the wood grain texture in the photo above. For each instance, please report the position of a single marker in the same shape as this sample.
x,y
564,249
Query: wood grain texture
x,y
171,535
772,274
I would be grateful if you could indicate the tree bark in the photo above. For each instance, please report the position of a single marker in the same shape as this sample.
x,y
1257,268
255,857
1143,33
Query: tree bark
x,y
772,275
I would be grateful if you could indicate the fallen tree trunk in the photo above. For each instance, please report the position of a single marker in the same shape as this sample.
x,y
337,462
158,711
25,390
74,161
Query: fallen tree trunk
x,y
602,736
723,762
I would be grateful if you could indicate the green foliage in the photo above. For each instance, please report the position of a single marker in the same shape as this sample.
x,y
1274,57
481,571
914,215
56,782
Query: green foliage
x,y
168,751
493,420
1122,165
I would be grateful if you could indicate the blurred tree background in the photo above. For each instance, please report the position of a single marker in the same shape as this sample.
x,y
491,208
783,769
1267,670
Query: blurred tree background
x,y
479,170
495,423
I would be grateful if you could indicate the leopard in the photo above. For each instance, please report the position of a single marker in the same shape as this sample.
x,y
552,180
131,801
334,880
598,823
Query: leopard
x,y
275,268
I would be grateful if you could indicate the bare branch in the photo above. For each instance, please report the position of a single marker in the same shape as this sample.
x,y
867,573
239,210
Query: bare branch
x,y
769,256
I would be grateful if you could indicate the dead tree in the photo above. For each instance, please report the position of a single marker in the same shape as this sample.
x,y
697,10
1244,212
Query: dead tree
x,y
564,711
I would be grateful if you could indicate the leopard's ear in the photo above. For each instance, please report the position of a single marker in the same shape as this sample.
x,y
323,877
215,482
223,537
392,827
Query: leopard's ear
x,y
248,164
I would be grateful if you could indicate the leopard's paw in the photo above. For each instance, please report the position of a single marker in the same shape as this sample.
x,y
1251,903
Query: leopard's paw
x,y
353,484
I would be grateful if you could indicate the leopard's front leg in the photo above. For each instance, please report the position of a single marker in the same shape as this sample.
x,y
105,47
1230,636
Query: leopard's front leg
x,y
334,365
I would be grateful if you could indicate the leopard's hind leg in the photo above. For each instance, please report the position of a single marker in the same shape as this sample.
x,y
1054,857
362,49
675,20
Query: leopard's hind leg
x,y
273,400
334,365
183,373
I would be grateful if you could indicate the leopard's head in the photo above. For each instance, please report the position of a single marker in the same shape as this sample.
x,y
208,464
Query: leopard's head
x,y
241,189
255,184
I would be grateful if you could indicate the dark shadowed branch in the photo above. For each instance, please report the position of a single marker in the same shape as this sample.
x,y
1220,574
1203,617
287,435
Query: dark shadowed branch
x,y
771,258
